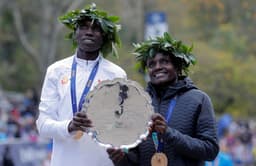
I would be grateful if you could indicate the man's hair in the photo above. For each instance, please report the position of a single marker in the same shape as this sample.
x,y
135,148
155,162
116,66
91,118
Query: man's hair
x,y
179,53
108,24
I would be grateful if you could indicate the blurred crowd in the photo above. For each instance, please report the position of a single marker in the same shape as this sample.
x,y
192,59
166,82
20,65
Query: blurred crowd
x,y
237,138
240,143
18,115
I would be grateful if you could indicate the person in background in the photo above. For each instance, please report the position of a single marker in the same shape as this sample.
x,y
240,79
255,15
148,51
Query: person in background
x,y
242,151
68,81
183,129
3,125
7,159
224,157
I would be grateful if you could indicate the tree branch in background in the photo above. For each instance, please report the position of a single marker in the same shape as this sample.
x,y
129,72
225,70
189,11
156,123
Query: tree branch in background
x,y
50,28
21,34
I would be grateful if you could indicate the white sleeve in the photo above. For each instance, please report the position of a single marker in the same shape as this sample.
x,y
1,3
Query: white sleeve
x,y
48,124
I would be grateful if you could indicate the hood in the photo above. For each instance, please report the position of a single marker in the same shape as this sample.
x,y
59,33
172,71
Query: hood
x,y
183,84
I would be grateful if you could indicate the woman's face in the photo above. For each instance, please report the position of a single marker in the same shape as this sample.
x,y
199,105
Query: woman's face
x,y
161,70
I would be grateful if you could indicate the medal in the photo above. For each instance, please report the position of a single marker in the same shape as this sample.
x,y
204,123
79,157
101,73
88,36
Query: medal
x,y
78,134
159,159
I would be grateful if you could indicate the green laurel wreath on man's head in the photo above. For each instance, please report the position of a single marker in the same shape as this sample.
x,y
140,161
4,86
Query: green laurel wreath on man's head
x,y
168,45
108,24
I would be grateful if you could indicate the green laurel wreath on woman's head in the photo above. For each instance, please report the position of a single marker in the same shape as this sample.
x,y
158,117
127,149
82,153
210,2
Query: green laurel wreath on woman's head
x,y
168,45
108,24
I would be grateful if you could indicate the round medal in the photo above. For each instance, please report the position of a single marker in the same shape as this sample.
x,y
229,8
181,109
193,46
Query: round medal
x,y
78,134
159,159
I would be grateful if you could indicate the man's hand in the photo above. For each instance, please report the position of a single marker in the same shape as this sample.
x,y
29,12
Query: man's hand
x,y
158,124
116,155
80,122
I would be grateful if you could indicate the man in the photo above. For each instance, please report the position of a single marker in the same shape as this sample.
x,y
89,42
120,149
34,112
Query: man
x,y
68,81
183,129
7,158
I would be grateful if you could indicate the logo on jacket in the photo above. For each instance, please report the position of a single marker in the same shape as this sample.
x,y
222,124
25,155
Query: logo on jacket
x,y
64,80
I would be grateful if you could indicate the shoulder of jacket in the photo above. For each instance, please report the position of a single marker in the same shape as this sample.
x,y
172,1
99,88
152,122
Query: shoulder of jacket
x,y
199,95
197,91
112,66
63,63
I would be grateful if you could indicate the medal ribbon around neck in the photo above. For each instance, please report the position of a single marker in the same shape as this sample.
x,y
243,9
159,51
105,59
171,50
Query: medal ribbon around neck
x,y
159,143
86,88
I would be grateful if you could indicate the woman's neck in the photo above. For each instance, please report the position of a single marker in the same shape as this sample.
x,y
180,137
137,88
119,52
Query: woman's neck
x,y
161,89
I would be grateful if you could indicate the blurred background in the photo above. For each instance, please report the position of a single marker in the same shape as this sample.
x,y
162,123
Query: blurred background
x,y
221,31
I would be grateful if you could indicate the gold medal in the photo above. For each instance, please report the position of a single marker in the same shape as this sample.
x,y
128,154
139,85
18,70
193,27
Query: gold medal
x,y
78,134
159,159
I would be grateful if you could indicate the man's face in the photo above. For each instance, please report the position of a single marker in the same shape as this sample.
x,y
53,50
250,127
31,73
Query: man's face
x,y
89,36
161,70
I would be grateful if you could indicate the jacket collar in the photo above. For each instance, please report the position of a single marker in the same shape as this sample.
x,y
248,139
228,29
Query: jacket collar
x,y
183,84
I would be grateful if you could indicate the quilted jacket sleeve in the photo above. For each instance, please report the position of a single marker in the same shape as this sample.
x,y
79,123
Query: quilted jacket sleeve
x,y
204,146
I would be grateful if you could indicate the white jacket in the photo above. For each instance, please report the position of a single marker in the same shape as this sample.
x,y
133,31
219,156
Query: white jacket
x,y
56,111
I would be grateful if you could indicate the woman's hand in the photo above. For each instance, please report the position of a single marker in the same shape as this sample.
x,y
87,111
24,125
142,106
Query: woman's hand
x,y
158,124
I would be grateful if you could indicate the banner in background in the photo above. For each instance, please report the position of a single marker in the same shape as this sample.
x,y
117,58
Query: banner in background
x,y
24,154
155,24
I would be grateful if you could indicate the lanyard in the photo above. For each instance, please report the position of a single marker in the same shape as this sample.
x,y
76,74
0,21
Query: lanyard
x,y
86,88
159,143
170,110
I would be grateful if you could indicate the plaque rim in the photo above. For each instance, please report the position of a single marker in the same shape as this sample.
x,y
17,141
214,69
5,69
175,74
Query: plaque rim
x,y
140,90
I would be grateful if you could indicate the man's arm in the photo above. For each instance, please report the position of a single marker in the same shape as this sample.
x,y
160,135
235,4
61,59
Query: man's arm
x,y
47,122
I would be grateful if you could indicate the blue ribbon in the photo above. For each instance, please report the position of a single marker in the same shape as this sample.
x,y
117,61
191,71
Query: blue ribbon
x,y
86,88
170,110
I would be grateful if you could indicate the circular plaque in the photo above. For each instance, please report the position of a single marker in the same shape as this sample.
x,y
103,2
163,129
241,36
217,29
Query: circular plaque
x,y
120,110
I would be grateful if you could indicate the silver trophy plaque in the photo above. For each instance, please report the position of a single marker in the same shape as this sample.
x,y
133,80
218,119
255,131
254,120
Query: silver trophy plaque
x,y
120,110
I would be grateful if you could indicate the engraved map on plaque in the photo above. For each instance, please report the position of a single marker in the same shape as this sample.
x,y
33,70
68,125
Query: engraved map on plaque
x,y
120,110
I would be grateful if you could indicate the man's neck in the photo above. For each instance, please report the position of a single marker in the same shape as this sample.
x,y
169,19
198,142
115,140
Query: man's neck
x,y
87,55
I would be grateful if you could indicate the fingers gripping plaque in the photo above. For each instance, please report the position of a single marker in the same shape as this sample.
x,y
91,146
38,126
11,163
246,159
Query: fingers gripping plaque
x,y
120,110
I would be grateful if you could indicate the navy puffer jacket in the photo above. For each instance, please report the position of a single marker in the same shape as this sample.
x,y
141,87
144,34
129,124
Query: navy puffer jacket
x,y
191,136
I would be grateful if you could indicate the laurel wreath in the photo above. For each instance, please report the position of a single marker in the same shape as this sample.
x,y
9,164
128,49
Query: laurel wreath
x,y
167,44
108,24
